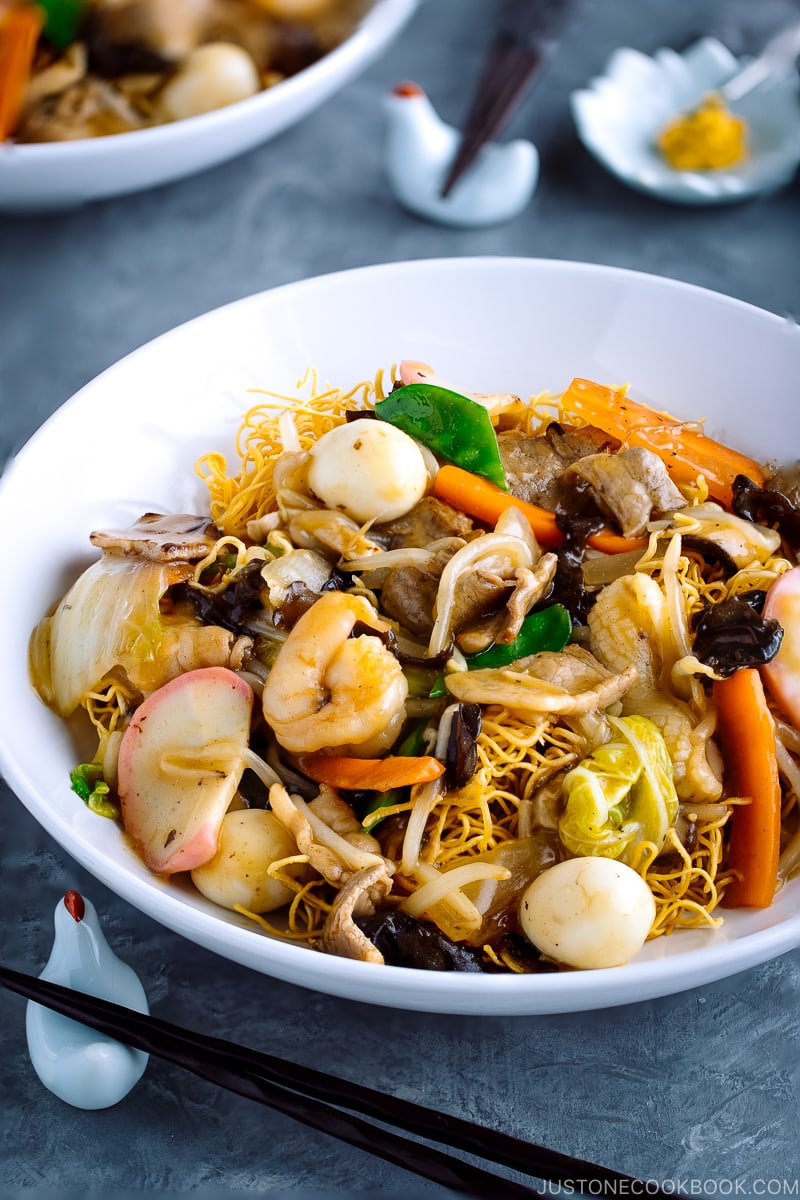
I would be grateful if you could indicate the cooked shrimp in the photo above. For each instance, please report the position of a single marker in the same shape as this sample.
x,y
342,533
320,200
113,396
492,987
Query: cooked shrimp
x,y
328,690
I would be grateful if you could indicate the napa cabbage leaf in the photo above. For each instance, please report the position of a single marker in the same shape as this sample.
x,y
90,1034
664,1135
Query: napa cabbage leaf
x,y
620,795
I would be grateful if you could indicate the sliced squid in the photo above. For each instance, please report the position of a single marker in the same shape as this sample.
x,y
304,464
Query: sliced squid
x,y
566,682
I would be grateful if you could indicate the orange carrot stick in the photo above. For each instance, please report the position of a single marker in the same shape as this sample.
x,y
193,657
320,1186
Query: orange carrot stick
x,y
19,34
477,496
747,737
370,774
685,451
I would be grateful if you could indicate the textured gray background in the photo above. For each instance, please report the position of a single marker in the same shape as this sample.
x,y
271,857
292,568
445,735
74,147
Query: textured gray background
x,y
701,1090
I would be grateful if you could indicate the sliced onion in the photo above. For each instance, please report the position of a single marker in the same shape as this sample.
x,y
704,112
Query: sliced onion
x,y
447,882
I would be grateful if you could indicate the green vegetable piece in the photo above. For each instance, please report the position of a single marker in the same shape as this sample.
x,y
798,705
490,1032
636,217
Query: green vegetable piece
x,y
621,795
548,629
384,800
87,781
410,747
452,426
62,20
83,778
439,688
420,680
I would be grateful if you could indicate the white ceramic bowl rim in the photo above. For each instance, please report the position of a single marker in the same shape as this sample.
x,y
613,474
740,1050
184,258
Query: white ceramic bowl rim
x,y
445,309
378,23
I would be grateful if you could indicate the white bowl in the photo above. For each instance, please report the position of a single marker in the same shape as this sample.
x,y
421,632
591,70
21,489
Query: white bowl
x,y
127,444
55,175
621,112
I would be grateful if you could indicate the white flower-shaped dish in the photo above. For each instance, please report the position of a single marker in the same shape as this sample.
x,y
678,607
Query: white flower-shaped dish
x,y
621,112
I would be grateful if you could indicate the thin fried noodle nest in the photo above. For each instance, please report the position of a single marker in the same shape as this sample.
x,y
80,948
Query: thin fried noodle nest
x,y
516,756
389,710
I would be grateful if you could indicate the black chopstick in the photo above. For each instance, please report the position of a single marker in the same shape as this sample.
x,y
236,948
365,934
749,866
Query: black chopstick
x,y
319,1100
507,71
525,35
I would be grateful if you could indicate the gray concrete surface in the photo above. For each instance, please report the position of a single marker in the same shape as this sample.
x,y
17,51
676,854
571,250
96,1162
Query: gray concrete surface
x,y
700,1091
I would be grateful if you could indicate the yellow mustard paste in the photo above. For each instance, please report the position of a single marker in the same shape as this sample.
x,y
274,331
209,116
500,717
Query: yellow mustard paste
x,y
706,139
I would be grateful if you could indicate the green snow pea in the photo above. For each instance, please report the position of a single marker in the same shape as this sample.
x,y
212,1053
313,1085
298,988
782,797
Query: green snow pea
x,y
454,427
547,629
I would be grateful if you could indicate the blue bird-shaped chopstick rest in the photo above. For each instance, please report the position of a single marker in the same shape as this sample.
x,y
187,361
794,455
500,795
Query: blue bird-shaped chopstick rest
x,y
81,1067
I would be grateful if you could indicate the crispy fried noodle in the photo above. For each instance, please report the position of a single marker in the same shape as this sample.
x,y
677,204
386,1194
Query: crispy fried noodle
x,y
452,680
